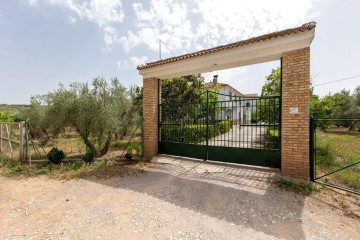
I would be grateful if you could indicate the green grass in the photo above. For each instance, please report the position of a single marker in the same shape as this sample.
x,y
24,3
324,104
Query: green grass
x,y
335,151
297,187
68,170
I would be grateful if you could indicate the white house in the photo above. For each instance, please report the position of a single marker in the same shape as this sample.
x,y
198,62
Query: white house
x,y
233,104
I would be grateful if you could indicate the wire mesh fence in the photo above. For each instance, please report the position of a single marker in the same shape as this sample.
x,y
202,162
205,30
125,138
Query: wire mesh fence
x,y
20,141
336,153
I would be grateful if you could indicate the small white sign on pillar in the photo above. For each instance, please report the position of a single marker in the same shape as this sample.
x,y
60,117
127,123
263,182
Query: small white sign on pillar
x,y
294,110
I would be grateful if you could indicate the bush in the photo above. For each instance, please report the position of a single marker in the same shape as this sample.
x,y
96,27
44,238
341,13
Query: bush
x,y
272,138
128,155
194,133
5,117
55,155
134,147
89,156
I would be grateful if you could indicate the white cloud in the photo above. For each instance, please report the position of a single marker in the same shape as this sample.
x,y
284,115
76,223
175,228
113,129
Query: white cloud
x,y
136,61
237,20
165,20
211,22
33,3
110,35
230,76
101,12
72,19
122,64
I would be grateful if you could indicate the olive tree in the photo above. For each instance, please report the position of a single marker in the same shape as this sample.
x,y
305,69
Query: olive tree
x,y
96,112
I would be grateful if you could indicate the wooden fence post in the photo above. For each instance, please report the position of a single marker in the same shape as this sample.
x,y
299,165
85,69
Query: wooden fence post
x,y
21,141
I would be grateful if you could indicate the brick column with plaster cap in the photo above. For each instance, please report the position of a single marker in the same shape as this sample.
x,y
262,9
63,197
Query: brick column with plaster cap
x,y
295,118
150,117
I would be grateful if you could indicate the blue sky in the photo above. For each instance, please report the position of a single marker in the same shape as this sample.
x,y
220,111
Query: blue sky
x,y
47,42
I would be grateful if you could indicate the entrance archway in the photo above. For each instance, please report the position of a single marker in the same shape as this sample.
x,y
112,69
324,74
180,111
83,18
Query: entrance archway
x,y
291,46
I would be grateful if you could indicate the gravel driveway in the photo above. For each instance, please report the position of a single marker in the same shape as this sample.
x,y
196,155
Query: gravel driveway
x,y
172,199
241,137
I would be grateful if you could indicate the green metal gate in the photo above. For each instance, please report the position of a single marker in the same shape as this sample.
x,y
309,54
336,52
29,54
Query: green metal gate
x,y
224,128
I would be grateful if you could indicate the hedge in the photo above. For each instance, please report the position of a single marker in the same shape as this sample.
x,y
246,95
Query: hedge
x,y
193,133
272,138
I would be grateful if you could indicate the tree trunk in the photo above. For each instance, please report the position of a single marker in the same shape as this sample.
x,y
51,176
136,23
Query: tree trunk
x,y
86,140
106,147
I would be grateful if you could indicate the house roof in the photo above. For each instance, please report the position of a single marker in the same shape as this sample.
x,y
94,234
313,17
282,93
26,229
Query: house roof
x,y
305,27
251,95
212,84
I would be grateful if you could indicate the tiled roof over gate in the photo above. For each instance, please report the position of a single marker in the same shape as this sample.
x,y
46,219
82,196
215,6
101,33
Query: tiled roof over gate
x,y
305,27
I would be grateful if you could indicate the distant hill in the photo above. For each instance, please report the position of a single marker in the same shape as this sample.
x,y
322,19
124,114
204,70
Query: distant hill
x,y
13,109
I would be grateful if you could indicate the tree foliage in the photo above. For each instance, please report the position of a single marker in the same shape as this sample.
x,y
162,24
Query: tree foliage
x,y
267,109
96,112
272,83
184,99
342,104
177,93
6,117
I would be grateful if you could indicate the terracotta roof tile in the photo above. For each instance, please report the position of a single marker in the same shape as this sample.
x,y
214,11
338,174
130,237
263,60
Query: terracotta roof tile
x,y
305,27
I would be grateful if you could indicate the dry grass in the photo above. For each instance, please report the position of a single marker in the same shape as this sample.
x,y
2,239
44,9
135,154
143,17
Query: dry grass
x,y
71,169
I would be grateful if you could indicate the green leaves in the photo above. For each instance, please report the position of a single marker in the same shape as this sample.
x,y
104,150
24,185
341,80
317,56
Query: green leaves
x,y
272,84
97,111
5,117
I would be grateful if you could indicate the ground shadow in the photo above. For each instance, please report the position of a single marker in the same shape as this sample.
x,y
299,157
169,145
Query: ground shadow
x,y
240,196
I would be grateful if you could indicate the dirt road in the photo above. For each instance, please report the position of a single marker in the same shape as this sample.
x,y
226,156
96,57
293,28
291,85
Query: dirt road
x,y
172,199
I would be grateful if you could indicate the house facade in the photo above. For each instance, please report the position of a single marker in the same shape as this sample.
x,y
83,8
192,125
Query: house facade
x,y
233,105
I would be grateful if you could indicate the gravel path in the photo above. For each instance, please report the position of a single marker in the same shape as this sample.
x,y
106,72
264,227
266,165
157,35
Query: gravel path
x,y
241,137
173,199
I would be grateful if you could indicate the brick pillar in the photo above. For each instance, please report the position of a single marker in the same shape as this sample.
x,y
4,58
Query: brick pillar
x,y
150,117
295,126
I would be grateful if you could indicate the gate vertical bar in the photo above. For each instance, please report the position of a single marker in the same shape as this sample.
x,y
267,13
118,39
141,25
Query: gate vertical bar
x,y
207,124
280,109
312,156
159,107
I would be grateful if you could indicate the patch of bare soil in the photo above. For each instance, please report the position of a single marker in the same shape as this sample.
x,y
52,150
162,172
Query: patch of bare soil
x,y
171,200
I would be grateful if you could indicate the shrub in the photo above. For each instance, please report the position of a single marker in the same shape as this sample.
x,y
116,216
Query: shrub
x,y
89,156
55,155
194,133
5,117
137,147
272,138
128,155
